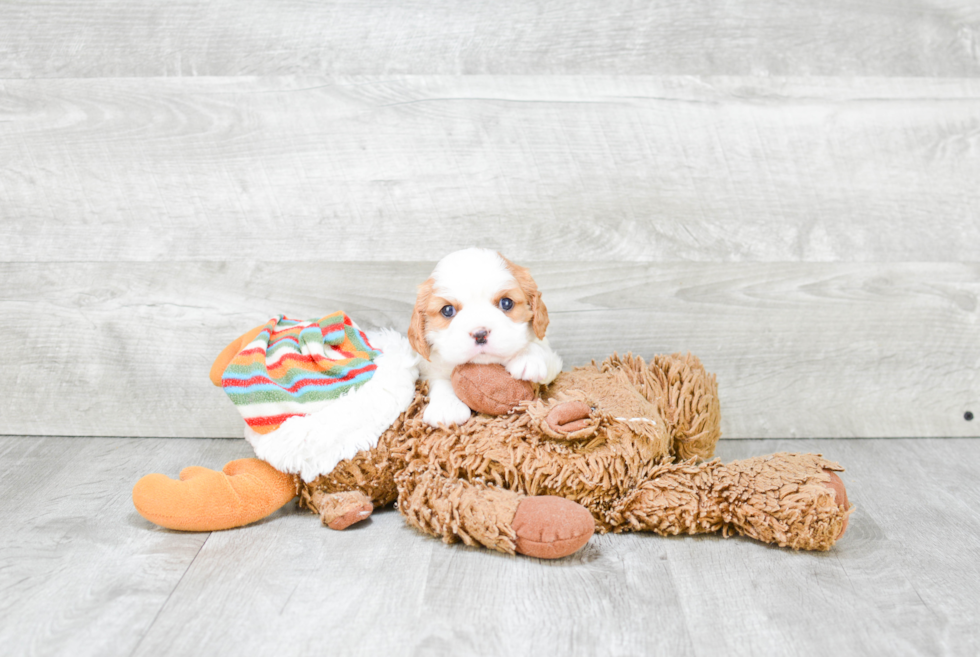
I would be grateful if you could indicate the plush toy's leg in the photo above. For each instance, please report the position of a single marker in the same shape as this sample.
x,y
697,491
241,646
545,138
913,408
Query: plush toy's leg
x,y
792,500
479,514
246,490
341,510
550,527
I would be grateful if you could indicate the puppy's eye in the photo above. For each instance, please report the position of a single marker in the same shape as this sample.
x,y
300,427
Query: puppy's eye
x,y
506,304
447,311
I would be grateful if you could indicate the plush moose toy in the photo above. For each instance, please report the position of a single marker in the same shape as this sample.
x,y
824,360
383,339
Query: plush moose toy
x,y
611,447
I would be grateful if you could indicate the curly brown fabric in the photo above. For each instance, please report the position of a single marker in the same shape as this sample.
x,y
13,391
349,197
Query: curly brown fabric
x,y
782,498
685,394
373,471
473,512
626,442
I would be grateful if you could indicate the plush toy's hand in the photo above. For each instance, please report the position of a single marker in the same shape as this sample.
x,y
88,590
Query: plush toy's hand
x,y
489,389
569,417
246,490
229,353
341,510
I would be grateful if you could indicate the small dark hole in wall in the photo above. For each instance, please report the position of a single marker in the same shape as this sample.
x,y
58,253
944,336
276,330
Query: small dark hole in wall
x,y
968,416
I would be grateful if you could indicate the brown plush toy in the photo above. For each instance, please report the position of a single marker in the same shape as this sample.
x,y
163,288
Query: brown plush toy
x,y
614,447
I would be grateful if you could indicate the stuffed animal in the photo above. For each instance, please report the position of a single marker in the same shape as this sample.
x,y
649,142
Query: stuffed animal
x,y
611,447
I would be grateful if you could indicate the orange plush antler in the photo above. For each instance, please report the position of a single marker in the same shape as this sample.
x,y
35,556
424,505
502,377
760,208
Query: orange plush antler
x,y
204,500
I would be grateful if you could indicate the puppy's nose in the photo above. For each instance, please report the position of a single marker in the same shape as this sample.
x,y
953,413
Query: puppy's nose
x,y
480,335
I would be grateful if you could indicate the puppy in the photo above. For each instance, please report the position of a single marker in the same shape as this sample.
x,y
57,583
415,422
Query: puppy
x,y
478,307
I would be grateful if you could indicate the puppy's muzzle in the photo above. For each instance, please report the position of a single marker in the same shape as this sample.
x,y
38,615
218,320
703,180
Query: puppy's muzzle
x,y
480,335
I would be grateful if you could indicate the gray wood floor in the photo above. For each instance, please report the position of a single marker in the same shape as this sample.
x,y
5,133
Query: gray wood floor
x,y
83,574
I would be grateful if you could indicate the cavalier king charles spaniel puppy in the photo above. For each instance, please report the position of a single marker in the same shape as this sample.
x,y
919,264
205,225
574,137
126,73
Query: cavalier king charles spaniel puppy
x,y
478,307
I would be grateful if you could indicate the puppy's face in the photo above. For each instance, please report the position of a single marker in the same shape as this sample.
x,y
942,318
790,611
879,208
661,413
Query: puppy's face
x,y
477,307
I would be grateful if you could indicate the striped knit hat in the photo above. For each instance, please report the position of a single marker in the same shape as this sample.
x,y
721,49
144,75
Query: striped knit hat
x,y
296,368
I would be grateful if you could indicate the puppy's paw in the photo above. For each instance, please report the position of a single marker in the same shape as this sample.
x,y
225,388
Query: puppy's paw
x,y
529,366
447,410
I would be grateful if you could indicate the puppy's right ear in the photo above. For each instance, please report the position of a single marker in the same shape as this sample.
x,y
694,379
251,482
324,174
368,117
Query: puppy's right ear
x,y
416,328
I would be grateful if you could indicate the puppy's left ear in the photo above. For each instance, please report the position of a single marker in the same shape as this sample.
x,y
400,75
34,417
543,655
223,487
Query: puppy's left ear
x,y
416,328
539,312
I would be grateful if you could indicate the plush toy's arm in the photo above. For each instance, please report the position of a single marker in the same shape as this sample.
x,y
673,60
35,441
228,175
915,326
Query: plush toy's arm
x,y
338,510
490,389
477,513
229,352
792,500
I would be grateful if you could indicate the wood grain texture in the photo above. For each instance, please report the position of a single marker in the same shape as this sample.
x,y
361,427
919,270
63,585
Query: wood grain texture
x,y
88,576
82,573
141,38
640,169
903,580
805,349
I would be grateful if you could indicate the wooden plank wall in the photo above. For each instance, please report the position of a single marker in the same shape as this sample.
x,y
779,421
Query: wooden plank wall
x,y
790,191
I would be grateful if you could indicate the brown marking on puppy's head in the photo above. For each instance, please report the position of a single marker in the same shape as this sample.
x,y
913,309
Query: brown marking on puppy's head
x,y
532,297
520,313
434,319
416,328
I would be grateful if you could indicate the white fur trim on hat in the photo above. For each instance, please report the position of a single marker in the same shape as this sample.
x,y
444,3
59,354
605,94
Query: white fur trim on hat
x,y
314,444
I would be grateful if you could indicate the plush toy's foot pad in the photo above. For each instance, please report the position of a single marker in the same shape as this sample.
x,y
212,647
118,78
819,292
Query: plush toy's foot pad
x,y
550,527
840,496
341,510
203,500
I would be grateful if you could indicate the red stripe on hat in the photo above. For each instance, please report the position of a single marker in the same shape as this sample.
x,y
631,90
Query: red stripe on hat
x,y
308,383
270,419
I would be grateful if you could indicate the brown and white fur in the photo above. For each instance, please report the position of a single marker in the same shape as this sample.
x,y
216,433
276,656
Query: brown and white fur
x,y
461,316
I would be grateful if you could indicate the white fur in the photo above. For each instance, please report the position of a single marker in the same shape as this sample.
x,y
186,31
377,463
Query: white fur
x,y
473,278
314,444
